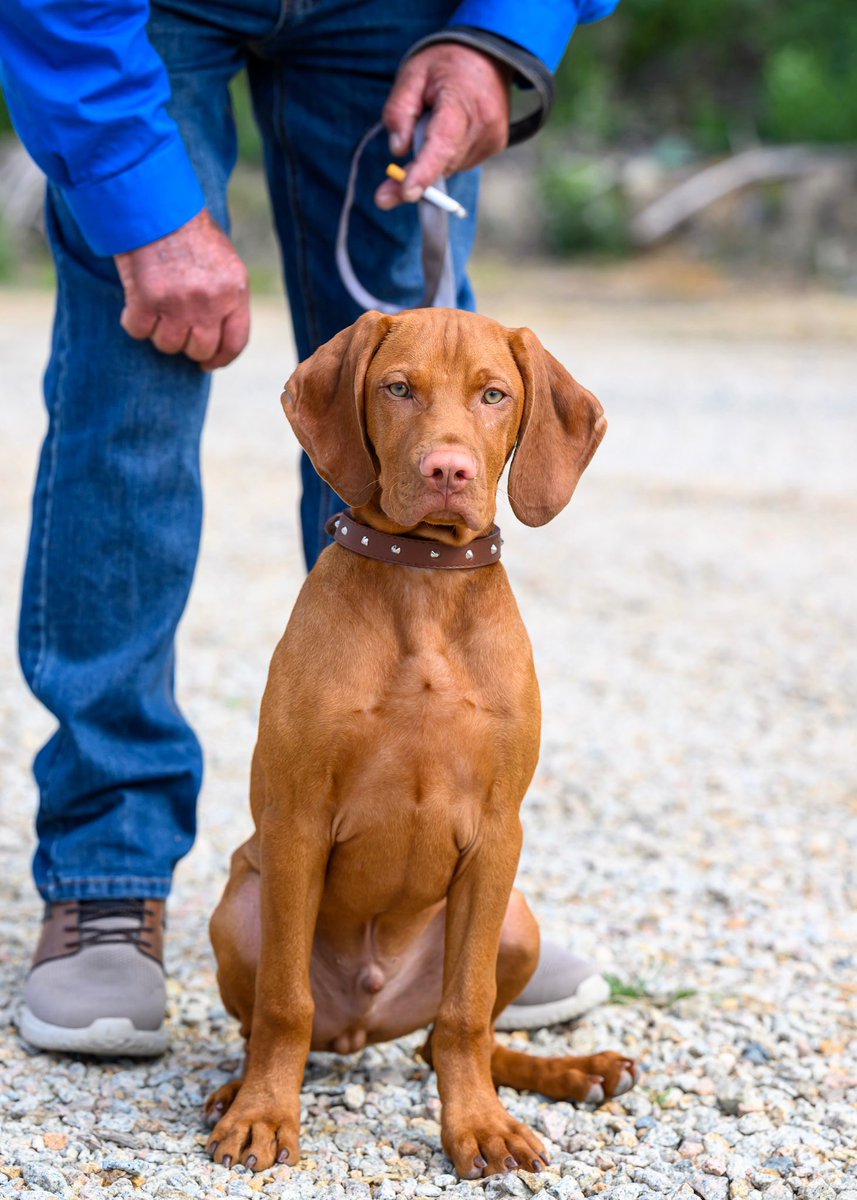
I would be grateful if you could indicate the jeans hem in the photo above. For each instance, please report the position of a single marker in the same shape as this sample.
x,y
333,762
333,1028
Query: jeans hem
x,y
106,887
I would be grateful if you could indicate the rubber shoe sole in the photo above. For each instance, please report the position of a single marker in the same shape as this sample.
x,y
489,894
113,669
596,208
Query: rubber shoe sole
x,y
109,1037
591,992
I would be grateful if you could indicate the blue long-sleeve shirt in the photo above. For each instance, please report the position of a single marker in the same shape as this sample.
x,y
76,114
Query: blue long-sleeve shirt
x,y
87,93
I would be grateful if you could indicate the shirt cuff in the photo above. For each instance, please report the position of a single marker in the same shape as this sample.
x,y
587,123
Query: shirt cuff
x,y
151,199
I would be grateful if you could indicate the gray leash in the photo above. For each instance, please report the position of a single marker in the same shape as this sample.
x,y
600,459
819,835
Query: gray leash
x,y
438,271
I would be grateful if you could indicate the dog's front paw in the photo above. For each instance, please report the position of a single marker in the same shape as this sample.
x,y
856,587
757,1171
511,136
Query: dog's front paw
x,y
219,1100
255,1136
493,1144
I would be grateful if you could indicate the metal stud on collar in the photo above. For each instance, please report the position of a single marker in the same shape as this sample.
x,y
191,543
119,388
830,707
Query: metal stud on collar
x,y
396,549
468,553
364,541
434,553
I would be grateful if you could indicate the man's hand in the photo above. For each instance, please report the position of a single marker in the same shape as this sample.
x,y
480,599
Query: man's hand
x,y
189,293
468,93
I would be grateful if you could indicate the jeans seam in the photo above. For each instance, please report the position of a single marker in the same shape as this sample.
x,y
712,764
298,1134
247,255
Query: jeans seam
x,y
298,223
56,421
288,8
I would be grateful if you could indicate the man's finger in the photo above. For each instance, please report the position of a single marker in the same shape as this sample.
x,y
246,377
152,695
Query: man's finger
x,y
203,342
405,106
442,151
388,194
171,335
138,322
234,337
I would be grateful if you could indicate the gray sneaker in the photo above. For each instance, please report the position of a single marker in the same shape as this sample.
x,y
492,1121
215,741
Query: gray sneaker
x,y
97,984
563,988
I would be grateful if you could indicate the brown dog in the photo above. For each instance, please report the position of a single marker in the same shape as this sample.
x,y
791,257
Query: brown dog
x,y
399,731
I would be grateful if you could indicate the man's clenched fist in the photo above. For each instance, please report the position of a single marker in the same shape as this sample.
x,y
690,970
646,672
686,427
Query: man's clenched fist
x,y
189,293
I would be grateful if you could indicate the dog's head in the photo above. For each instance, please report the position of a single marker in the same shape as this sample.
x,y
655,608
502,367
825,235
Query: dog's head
x,y
417,414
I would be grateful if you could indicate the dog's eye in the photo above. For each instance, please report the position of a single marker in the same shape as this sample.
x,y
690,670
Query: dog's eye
x,y
493,396
399,389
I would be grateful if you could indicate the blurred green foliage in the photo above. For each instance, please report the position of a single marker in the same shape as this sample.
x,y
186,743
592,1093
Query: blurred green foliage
x,y
720,73
583,209
684,79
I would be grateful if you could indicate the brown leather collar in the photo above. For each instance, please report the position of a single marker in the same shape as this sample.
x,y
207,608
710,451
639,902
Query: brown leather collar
x,y
411,551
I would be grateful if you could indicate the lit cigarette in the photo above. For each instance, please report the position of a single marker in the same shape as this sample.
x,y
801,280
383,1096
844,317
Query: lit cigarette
x,y
439,199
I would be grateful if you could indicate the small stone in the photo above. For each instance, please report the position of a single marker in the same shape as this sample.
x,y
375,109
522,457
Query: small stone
x,y
542,1181
780,1162
623,1191
56,1141
816,1189
665,1136
728,1103
695,1085
713,1164
413,1149
354,1096
626,1139
49,1179
567,1189
657,1181
554,1123
647,1122
779,1191
755,1053
753,1122
691,1149
715,1143
386,1190
738,1166
582,1173
709,1187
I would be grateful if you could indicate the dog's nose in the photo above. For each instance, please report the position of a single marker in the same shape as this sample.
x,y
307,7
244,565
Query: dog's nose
x,y
448,468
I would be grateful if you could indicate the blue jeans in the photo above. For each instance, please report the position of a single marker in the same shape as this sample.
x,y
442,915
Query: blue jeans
x,y
117,508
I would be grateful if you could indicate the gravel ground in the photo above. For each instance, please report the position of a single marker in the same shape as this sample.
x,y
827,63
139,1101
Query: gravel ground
x,y
693,822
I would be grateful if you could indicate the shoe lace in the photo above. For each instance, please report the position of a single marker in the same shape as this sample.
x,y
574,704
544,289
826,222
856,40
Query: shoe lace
x,y
89,911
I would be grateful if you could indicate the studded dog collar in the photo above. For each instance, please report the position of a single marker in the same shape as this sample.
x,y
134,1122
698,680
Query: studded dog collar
x,y
411,551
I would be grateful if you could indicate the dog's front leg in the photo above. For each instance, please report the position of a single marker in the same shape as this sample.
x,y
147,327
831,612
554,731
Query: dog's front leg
x,y
261,1126
478,1134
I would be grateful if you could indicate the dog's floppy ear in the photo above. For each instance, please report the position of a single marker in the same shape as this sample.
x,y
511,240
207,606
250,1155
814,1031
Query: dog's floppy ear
x,y
561,426
323,400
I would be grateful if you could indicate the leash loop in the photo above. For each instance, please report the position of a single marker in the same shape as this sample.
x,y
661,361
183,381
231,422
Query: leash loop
x,y
438,271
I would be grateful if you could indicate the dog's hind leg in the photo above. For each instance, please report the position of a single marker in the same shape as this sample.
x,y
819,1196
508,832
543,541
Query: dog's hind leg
x,y
591,1078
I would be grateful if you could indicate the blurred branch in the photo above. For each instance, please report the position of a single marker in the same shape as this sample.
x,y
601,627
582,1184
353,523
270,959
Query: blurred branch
x,y
660,218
